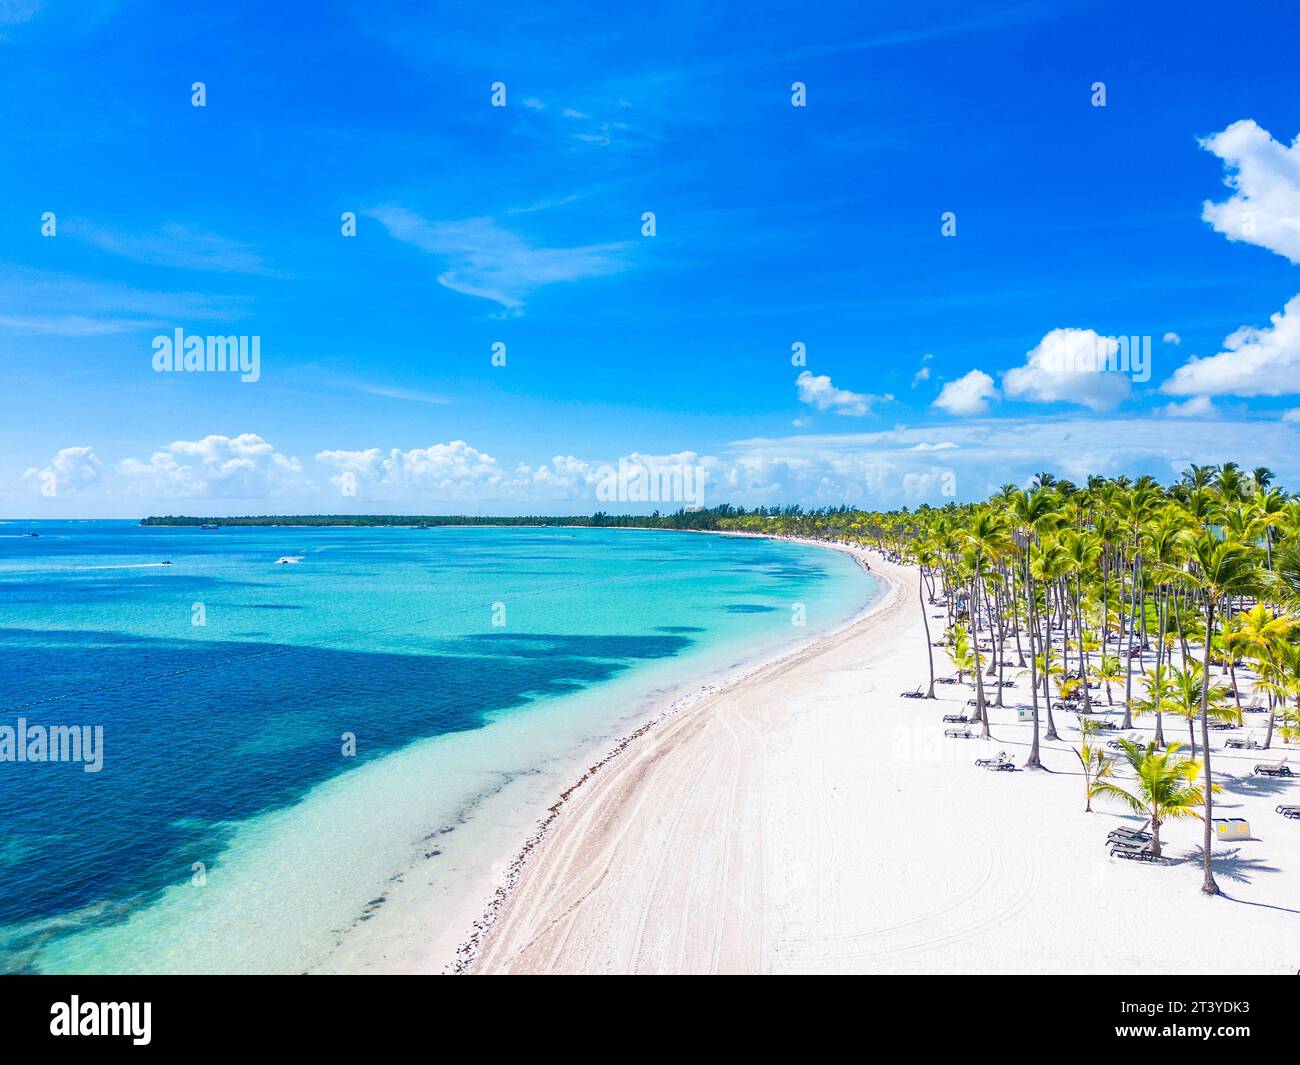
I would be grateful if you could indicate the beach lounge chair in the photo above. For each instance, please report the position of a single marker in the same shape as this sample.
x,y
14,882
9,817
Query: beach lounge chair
x,y
1135,851
1273,769
1250,744
959,719
999,763
918,694
959,733
1124,834
1289,811
1219,726
1254,710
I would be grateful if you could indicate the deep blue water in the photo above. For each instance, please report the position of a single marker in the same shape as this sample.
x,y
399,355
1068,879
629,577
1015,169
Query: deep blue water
x,y
384,633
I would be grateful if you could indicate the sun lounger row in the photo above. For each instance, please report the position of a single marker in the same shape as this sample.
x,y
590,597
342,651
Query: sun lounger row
x,y
1136,851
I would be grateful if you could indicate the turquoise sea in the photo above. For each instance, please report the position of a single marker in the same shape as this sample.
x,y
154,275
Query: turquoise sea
x,y
232,827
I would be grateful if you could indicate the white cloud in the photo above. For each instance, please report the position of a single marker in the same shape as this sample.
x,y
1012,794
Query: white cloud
x,y
1070,366
487,260
37,302
1292,416
176,246
1254,362
1172,338
238,467
819,392
1196,407
71,325
873,469
458,472
1264,176
923,374
71,470
453,470
969,394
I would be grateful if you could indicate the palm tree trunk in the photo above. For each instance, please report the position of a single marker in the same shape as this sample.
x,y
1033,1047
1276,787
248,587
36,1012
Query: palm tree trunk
x,y
1208,885
980,707
1033,761
1050,734
925,618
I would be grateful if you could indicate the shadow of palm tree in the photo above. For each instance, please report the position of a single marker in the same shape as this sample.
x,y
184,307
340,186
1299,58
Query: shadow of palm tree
x,y
1259,785
1231,865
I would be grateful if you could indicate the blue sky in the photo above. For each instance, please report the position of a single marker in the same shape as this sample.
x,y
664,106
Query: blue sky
x,y
929,358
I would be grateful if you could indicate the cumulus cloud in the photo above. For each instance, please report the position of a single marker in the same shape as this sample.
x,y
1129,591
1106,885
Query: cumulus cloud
x,y
969,394
885,469
1172,338
458,472
818,391
71,470
1196,407
235,467
1264,176
1254,361
1070,366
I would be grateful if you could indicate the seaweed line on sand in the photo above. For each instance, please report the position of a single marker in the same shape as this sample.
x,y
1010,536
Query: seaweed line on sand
x,y
469,949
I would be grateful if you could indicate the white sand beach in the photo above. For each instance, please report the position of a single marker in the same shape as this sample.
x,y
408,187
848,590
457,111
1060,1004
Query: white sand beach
x,y
811,820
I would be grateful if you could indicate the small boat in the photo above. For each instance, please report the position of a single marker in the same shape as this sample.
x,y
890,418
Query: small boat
x,y
285,560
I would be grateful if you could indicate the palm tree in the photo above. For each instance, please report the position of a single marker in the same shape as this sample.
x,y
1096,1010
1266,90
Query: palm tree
x,y
1217,570
1032,513
1154,699
1187,694
986,541
1107,671
1263,636
958,649
1097,764
924,556
1164,787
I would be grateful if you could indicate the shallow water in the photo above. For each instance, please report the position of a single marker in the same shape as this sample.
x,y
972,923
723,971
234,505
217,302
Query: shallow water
x,y
228,829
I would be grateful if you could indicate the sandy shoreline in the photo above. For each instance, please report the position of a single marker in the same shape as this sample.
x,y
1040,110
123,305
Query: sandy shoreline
x,y
690,695
809,819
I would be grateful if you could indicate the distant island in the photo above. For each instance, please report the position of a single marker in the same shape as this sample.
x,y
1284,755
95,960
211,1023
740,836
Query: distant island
x,y
719,517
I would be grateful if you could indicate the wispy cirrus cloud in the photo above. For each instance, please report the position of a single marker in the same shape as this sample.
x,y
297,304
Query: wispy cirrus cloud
x,y
44,303
483,258
173,245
